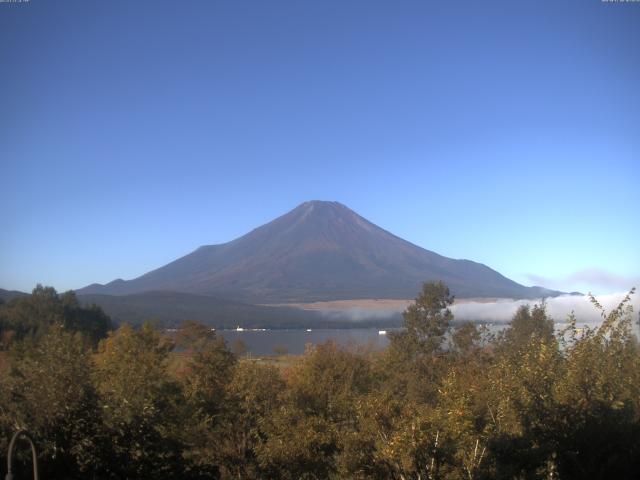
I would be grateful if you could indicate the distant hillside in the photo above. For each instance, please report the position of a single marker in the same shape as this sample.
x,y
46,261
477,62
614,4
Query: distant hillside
x,y
318,251
7,295
171,308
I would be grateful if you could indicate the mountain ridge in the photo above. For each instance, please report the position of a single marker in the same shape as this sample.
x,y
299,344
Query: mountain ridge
x,y
318,251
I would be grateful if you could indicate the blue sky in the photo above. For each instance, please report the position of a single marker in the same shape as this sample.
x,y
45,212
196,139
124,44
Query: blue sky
x,y
132,132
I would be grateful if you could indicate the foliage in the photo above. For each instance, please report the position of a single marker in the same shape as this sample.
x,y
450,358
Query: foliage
x,y
305,434
51,394
444,401
252,397
33,315
139,403
426,322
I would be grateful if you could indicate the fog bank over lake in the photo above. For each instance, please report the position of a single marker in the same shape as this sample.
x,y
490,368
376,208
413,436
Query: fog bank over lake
x,y
499,310
496,314
558,308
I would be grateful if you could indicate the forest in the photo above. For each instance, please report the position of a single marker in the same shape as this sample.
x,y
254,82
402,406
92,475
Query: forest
x,y
445,400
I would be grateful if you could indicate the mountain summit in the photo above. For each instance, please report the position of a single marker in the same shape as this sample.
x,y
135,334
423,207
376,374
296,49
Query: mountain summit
x,y
318,251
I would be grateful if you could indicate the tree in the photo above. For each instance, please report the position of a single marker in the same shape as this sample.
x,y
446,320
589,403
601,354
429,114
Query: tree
x,y
208,369
50,393
415,360
466,339
140,403
90,320
597,427
30,316
318,412
426,322
33,315
396,438
525,404
203,379
252,397
526,323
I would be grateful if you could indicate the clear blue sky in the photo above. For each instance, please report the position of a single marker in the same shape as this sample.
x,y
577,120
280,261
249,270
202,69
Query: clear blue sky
x,y
132,132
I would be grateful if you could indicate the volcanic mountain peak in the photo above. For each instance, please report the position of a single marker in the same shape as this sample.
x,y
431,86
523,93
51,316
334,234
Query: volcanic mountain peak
x,y
318,251
315,218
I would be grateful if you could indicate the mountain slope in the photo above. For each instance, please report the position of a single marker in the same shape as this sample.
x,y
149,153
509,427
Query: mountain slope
x,y
318,251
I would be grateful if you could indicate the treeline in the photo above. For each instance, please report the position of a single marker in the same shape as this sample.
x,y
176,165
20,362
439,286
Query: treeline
x,y
438,403
31,316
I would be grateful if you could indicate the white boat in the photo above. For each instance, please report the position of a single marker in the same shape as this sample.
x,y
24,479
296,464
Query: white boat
x,y
308,329
239,329
382,332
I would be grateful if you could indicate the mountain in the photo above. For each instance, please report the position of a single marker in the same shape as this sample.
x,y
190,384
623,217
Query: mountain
x,y
318,251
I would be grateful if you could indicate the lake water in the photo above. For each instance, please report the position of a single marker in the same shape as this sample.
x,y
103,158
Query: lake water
x,y
267,342
294,341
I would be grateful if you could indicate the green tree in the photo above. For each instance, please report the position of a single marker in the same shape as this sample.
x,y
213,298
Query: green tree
x,y
396,438
415,361
252,397
521,398
439,403
426,321
90,320
49,392
467,339
526,323
318,411
204,378
140,404
597,427
32,315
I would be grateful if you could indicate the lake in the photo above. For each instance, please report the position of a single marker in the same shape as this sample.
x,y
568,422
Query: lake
x,y
266,342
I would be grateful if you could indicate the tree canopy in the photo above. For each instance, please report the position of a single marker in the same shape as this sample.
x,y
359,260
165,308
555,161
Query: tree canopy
x,y
444,401
33,315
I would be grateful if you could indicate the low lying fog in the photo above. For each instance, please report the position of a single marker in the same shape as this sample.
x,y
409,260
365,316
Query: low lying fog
x,y
502,310
558,308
